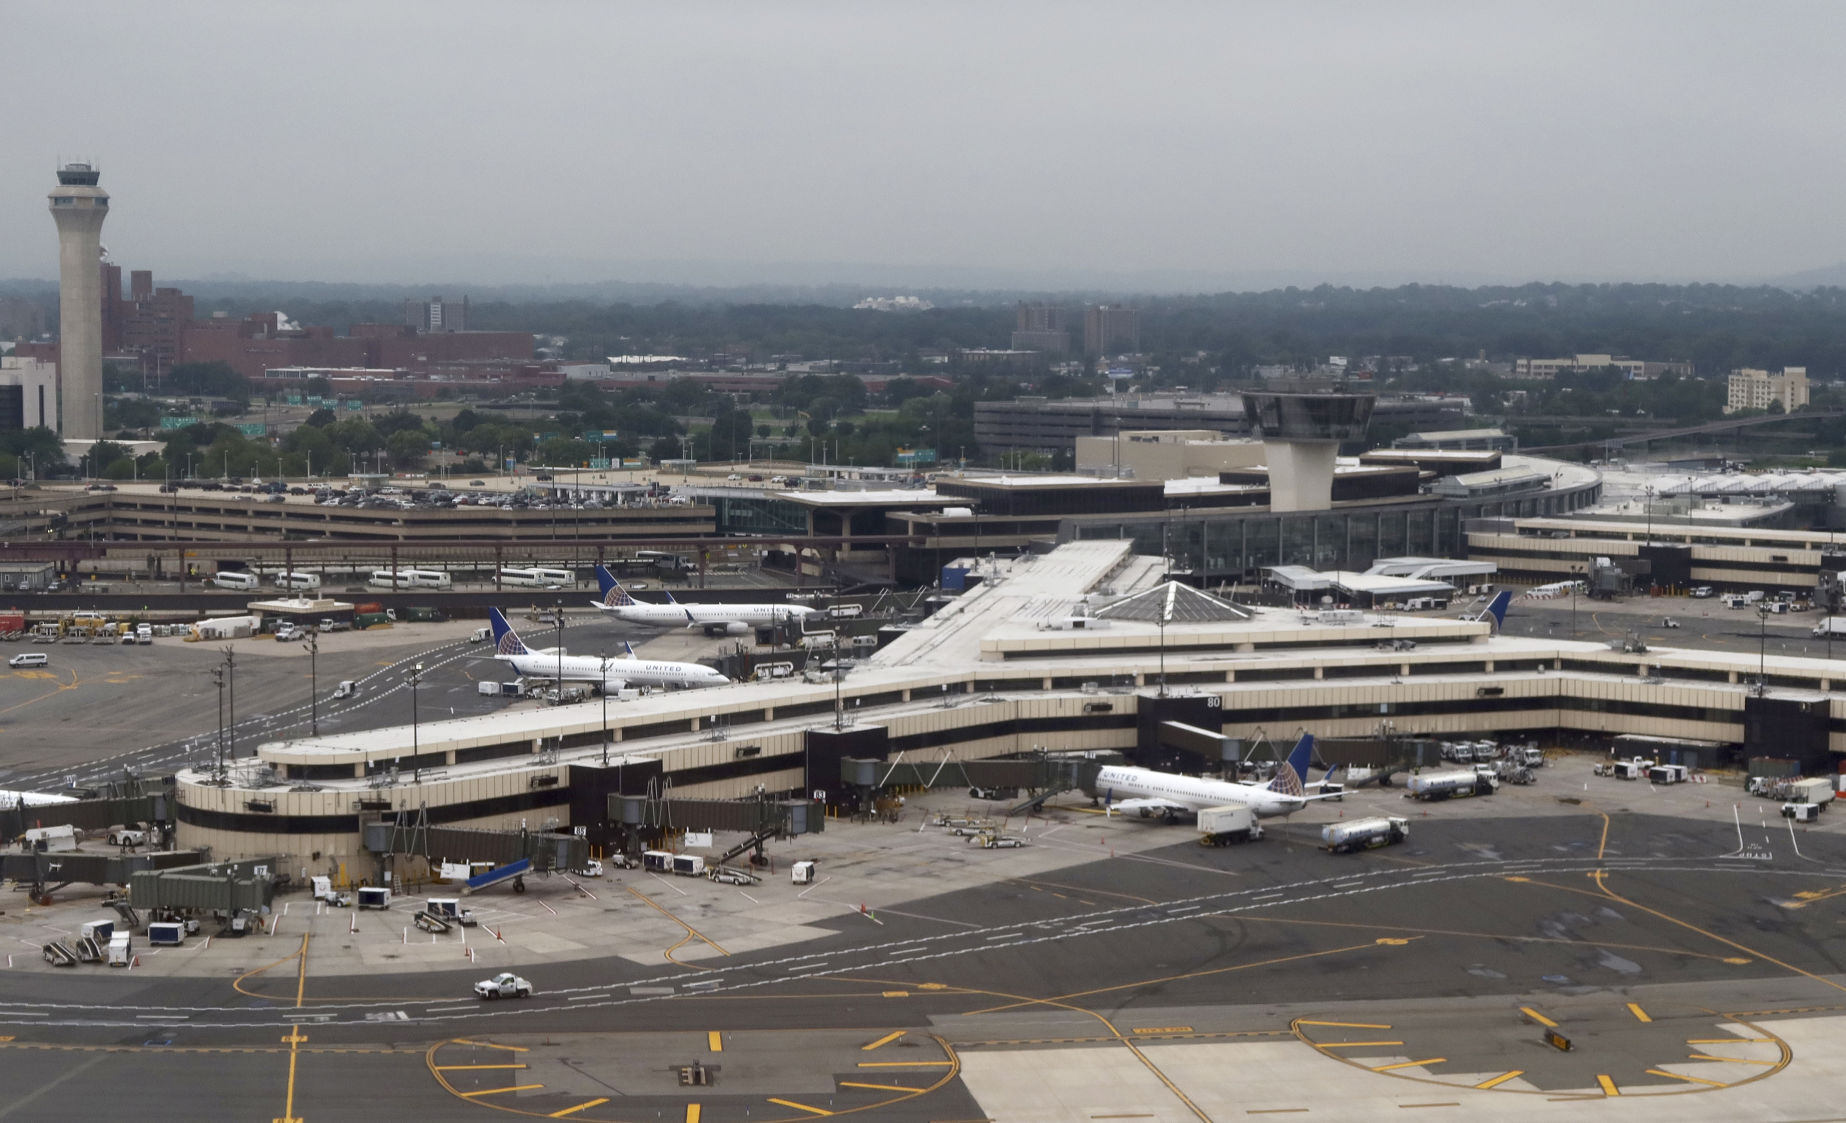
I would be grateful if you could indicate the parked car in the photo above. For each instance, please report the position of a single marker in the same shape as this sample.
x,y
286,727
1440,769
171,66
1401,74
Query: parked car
x,y
504,985
1669,622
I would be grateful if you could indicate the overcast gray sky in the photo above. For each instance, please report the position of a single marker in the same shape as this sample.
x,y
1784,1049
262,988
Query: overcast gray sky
x,y
1204,144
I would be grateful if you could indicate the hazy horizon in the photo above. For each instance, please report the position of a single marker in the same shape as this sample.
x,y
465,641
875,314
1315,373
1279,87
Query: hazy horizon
x,y
1173,147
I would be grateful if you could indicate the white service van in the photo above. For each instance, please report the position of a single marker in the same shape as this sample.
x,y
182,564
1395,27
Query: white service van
x,y
29,659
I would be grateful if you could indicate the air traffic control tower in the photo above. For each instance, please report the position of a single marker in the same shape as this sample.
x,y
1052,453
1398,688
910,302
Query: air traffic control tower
x,y
78,206
1301,433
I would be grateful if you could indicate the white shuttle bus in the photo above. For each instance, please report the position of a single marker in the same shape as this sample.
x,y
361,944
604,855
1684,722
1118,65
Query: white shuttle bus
x,y
427,578
232,579
409,579
295,579
537,578
389,579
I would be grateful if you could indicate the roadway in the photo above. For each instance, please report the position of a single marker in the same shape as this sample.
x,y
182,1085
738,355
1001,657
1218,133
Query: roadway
x,y
1704,624
1111,970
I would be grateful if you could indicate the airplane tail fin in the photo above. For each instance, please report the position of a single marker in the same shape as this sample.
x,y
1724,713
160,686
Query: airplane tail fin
x,y
628,651
669,597
613,595
506,640
1496,608
1294,770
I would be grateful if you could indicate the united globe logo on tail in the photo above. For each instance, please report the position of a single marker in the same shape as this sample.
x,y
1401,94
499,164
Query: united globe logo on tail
x,y
614,596
506,641
1290,775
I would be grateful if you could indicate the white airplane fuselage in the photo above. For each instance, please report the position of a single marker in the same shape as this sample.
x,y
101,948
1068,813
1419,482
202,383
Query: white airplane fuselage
x,y
614,673
690,615
1117,782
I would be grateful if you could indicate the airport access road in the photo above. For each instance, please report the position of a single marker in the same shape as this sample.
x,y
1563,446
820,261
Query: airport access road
x,y
1455,942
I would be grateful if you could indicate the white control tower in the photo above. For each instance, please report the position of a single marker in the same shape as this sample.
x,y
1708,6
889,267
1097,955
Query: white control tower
x,y
78,206
1301,433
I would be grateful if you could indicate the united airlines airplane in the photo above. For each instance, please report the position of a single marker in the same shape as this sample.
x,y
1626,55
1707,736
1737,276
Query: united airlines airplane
x,y
1173,796
606,675
716,619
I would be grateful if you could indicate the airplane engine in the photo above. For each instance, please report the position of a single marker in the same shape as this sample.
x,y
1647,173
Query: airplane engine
x,y
729,628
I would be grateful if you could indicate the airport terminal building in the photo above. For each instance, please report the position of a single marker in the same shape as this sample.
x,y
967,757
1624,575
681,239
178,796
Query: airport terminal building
x,y
1026,661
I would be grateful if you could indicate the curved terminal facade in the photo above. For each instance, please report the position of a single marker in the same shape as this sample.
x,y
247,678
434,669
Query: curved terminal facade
x,y
1016,664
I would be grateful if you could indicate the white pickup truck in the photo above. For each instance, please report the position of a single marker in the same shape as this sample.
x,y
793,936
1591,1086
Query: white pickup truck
x,y
504,985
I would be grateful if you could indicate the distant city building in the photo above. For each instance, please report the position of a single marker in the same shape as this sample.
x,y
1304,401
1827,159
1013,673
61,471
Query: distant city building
x,y
1109,328
1047,342
1756,389
28,393
1040,327
1038,317
1634,369
151,325
436,314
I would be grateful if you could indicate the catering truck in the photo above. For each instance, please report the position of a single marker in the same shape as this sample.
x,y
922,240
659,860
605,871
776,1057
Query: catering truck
x,y
1221,826
1830,626
1454,784
1363,834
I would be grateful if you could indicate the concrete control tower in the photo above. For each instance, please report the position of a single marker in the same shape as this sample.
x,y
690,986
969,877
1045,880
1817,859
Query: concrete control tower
x,y
1301,434
78,206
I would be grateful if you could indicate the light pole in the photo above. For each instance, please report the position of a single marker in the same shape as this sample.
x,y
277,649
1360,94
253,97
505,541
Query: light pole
x,y
1166,602
560,623
1762,649
230,671
314,683
604,691
1575,570
416,753
218,680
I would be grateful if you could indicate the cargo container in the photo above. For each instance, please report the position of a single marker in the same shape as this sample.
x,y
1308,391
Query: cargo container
x,y
1801,812
364,620
689,865
1221,826
657,861
166,933
1668,774
1815,789
374,897
1363,834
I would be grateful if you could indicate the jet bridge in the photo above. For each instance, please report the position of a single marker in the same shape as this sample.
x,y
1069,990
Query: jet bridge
x,y
409,834
41,873
1381,756
1042,776
772,818
248,885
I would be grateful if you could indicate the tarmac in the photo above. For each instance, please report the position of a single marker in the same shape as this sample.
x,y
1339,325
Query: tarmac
x,y
1683,940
